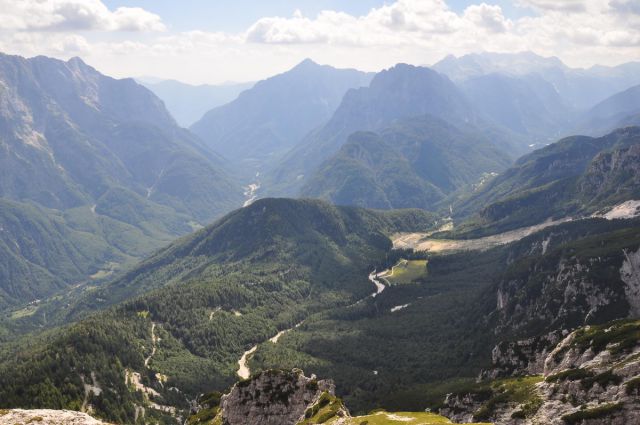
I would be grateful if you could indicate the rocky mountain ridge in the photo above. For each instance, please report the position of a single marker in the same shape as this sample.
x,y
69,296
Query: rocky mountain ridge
x,y
588,376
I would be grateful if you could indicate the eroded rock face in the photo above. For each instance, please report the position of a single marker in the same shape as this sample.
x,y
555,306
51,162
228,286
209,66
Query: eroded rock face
x,y
525,357
46,417
273,397
630,275
589,376
569,292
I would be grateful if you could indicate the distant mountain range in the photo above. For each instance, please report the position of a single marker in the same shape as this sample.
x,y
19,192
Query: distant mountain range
x,y
403,91
187,103
270,118
579,88
620,110
87,153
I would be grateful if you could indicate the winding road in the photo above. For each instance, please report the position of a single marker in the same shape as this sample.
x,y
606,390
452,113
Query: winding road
x,y
244,371
154,341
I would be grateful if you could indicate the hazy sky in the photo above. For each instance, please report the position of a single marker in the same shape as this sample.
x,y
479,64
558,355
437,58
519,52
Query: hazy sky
x,y
211,41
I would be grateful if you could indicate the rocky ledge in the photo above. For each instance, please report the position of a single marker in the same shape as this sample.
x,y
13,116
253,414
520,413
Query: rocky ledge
x,y
276,397
591,376
46,417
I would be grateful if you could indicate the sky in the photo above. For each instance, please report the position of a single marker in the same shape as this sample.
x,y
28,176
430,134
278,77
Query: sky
x,y
216,41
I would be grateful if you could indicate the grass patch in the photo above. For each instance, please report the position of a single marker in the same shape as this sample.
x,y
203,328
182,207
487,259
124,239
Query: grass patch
x,y
404,418
25,312
323,411
593,413
519,391
407,271
622,335
632,386
569,375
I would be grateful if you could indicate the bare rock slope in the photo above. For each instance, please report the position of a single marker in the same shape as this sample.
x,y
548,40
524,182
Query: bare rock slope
x,y
46,417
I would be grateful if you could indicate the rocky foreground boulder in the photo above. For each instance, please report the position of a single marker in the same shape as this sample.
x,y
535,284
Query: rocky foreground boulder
x,y
46,417
277,397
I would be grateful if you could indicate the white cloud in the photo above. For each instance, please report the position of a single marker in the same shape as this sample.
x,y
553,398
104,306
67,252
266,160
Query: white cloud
x,y
580,32
74,15
486,16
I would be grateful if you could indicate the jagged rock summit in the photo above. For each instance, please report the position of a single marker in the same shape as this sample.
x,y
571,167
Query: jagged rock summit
x,y
275,397
588,376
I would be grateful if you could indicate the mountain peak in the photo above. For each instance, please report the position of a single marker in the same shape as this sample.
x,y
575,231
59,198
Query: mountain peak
x,y
308,63
76,60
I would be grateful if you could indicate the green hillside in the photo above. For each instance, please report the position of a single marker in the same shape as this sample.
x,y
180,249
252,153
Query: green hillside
x,y
413,164
576,176
212,295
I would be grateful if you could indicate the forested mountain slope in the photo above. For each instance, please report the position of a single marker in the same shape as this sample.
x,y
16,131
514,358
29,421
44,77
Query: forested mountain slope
x,y
418,341
403,91
260,269
103,156
413,164
302,265
575,176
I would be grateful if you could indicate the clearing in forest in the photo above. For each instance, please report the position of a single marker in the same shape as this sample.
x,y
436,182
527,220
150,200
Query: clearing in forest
x,y
406,271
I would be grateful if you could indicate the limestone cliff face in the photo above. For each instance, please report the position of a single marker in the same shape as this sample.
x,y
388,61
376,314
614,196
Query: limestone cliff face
x,y
630,275
567,292
525,357
273,397
614,174
590,376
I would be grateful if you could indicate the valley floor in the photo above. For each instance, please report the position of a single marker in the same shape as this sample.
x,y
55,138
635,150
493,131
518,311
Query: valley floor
x,y
424,242
244,371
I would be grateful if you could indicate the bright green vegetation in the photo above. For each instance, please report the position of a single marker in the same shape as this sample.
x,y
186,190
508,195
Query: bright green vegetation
x,y
398,418
511,392
593,173
25,312
277,261
621,335
406,271
598,412
413,164
323,411
280,262
443,335
210,407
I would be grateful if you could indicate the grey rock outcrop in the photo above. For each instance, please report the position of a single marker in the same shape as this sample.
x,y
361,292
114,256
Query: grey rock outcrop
x,y
273,397
589,376
525,357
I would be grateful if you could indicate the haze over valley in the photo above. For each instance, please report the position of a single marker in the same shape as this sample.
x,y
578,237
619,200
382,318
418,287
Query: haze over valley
x,y
406,212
